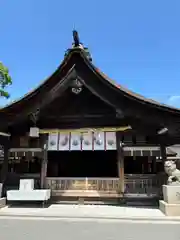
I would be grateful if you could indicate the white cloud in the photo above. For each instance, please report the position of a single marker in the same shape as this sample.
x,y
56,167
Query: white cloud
x,y
174,100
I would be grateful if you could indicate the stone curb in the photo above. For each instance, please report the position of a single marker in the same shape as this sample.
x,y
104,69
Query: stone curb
x,y
156,219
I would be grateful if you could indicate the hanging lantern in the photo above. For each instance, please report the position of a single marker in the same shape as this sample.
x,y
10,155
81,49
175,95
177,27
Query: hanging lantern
x,y
34,132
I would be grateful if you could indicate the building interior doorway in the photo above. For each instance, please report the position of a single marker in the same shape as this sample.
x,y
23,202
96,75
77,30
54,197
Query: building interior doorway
x,y
95,164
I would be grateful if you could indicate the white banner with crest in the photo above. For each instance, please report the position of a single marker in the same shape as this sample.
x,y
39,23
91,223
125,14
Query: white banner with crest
x,y
87,141
99,142
64,141
53,142
75,142
110,141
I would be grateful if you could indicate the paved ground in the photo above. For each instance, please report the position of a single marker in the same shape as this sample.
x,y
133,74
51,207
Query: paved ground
x,y
86,211
28,229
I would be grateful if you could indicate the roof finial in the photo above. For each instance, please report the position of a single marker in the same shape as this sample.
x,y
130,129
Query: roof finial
x,y
77,44
76,38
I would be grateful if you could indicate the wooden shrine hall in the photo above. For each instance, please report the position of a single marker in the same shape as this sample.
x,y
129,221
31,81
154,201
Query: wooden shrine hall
x,y
82,135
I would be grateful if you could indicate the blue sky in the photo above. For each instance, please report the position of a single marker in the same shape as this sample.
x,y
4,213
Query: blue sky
x,y
136,43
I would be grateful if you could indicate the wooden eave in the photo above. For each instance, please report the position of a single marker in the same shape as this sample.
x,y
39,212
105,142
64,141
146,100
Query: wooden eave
x,y
38,92
77,59
127,93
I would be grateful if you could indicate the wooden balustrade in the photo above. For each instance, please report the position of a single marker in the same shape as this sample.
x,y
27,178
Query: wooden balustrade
x,y
144,184
147,184
96,184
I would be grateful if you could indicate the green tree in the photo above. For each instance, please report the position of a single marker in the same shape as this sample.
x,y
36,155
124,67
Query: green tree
x,y
5,80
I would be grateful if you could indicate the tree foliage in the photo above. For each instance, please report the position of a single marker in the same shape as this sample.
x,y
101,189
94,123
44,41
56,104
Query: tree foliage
x,y
5,80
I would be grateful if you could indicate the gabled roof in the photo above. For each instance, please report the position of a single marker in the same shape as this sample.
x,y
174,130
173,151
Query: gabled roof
x,y
68,63
131,94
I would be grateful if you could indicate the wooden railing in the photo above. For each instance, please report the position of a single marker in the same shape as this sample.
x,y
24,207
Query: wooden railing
x,y
148,184
134,184
96,184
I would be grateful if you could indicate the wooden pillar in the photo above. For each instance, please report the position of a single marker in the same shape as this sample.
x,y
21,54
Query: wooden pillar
x,y
44,163
4,170
154,161
120,162
163,155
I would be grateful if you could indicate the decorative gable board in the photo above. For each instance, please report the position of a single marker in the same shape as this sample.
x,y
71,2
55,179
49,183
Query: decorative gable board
x,y
64,139
53,142
75,143
87,141
98,141
110,140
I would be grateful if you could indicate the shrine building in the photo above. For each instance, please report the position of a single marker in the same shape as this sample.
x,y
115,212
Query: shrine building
x,y
83,135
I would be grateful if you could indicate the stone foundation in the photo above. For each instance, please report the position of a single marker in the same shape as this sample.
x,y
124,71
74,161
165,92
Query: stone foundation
x,y
1,187
170,206
2,202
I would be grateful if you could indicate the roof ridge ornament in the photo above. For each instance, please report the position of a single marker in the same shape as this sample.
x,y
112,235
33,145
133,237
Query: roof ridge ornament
x,y
77,44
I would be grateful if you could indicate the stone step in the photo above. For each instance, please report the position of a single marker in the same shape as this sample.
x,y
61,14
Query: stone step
x,y
95,201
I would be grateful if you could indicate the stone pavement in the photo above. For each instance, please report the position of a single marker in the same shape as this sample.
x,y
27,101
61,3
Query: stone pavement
x,y
88,211
28,229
